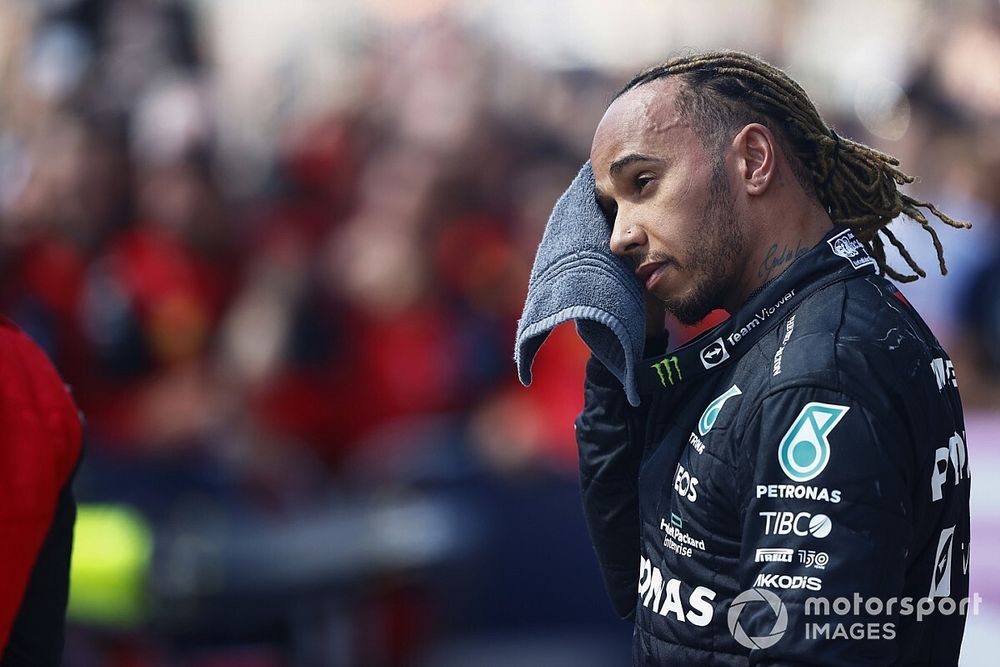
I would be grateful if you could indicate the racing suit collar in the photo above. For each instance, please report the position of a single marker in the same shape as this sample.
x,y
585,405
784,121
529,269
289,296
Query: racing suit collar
x,y
837,257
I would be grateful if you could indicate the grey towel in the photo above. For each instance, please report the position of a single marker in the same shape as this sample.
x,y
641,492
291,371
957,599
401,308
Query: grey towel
x,y
576,277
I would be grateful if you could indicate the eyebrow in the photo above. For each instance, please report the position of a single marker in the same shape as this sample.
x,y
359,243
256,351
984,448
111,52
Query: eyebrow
x,y
626,160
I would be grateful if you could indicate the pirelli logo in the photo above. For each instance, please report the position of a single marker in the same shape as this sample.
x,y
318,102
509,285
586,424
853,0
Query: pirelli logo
x,y
773,556
669,370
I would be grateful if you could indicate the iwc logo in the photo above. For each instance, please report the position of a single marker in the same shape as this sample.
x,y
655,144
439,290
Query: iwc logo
x,y
850,248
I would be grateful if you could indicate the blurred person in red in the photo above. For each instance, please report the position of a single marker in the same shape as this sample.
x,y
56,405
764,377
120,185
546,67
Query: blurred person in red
x,y
42,443
149,306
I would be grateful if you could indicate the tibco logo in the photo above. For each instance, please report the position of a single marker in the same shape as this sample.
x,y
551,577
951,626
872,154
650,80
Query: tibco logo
x,y
802,524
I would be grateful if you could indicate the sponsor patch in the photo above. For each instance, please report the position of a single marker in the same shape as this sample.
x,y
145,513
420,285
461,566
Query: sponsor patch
x,y
711,413
816,559
685,483
696,442
714,353
804,451
789,328
802,524
944,373
663,596
941,577
788,582
668,370
798,492
954,458
773,556
678,541
846,245
758,318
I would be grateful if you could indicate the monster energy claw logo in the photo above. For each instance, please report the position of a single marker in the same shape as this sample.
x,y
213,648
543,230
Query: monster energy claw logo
x,y
666,369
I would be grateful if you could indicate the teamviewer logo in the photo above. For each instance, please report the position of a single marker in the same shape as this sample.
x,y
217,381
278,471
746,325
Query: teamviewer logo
x,y
714,353
757,597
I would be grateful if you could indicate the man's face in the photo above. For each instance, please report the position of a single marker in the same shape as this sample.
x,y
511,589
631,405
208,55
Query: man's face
x,y
672,206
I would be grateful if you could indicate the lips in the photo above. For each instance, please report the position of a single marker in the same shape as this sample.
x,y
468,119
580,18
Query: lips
x,y
649,273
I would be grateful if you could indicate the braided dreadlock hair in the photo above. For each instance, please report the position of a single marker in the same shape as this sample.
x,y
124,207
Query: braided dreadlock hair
x,y
858,186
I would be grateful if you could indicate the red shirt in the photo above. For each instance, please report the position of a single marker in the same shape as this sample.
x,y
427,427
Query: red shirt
x,y
40,444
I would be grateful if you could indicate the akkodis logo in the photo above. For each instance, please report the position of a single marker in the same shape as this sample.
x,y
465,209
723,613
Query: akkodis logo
x,y
805,450
758,596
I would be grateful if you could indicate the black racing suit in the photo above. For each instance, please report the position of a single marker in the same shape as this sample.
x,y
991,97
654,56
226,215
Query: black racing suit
x,y
811,447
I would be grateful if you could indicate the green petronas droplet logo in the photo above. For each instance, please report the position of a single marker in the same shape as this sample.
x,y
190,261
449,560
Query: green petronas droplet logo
x,y
805,449
711,413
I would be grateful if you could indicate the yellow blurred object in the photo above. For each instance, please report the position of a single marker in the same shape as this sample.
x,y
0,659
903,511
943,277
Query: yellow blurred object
x,y
112,548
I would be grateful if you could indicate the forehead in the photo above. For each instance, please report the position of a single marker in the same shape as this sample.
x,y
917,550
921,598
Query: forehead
x,y
643,120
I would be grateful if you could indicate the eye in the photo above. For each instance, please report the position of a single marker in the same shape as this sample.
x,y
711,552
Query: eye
x,y
642,180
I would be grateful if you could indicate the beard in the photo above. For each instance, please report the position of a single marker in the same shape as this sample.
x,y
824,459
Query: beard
x,y
719,248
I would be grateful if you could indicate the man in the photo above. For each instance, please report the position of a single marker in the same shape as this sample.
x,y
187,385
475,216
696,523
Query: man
x,y
40,447
811,446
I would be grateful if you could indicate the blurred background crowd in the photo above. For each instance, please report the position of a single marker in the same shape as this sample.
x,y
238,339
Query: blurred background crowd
x,y
278,251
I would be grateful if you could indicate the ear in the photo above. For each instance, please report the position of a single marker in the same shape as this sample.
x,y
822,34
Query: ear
x,y
756,150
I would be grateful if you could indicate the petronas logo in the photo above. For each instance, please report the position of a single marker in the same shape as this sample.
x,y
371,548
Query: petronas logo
x,y
711,413
805,449
667,369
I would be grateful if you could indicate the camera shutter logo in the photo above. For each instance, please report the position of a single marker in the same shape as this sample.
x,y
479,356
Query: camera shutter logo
x,y
756,596
805,450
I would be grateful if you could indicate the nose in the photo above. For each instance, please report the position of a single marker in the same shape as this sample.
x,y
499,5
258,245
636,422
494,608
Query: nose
x,y
626,236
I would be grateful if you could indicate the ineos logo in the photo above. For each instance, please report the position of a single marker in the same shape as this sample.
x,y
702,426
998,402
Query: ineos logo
x,y
684,483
